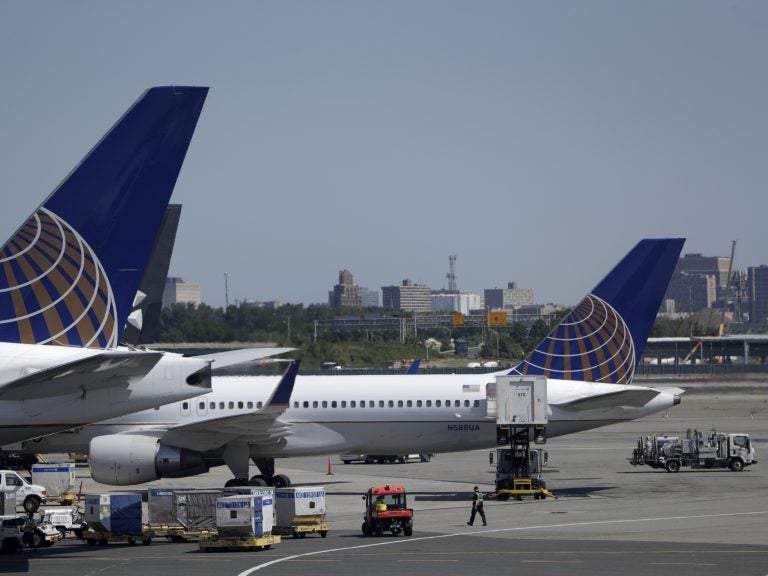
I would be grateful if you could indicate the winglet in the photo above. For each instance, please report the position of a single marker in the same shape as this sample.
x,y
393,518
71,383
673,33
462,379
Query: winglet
x,y
70,273
604,337
282,394
414,367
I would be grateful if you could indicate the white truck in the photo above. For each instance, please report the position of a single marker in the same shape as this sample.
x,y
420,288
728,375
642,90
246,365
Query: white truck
x,y
715,450
31,496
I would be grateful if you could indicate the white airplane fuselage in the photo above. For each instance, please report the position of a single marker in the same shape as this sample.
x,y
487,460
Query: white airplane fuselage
x,y
101,399
367,414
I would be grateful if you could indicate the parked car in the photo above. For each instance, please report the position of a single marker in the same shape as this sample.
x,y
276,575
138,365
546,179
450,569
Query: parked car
x,y
381,458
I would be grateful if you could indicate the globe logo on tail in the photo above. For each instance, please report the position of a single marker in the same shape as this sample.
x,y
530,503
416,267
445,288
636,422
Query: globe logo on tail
x,y
53,288
592,344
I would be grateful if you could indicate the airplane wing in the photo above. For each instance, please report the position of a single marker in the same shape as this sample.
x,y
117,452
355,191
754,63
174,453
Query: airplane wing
x,y
630,397
107,369
234,357
255,424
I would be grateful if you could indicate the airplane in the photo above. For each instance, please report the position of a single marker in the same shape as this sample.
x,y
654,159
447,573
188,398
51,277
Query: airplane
x,y
70,273
589,360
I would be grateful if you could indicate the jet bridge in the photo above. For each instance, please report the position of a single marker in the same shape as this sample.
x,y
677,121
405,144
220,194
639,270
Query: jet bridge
x,y
519,405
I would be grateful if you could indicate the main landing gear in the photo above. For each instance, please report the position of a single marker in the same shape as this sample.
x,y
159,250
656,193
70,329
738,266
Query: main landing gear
x,y
267,477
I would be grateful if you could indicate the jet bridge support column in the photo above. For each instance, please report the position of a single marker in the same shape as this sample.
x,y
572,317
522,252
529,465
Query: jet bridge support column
x,y
521,414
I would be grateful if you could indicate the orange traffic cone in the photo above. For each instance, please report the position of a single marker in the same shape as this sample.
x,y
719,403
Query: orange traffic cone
x,y
330,470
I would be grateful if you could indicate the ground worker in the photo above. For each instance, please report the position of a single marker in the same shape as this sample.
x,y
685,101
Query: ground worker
x,y
477,507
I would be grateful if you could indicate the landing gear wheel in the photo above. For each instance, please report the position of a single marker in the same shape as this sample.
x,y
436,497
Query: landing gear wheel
x,y
281,481
259,480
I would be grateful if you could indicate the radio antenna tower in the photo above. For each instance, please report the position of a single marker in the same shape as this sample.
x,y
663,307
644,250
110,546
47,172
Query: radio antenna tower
x,y
452,274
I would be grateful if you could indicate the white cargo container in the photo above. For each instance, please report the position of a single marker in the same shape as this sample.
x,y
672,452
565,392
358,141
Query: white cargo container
x,y
244,516
58,479
300,505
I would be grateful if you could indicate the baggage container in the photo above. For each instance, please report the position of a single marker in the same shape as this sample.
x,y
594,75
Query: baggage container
x,y
195,510
7,503
160,506
58,479
115,512
246,516
299,505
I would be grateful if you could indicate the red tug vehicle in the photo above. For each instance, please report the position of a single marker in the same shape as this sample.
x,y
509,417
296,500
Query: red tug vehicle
x,y
386,510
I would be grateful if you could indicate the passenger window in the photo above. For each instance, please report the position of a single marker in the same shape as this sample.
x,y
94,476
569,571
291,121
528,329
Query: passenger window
x,y
201,406
352,404
381,403
466,403
212,405
221,405
391,403
250,405
231,405
306,404
371,404
259,404
429,403
185,405
418,403
476,404
325,403
438,403
409,403
333,404
314,404
343,403
457,403
240,405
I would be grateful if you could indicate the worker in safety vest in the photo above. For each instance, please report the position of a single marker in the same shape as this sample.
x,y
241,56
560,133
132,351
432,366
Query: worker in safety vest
x,y
477,507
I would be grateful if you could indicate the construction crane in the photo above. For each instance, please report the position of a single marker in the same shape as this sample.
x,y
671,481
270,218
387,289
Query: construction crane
x,y
721,331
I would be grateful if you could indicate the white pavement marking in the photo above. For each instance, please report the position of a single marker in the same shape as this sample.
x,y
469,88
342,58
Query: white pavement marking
x,y
476,532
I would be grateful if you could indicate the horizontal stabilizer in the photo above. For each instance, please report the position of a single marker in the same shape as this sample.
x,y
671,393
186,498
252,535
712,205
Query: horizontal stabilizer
x,y
629,397
244,356
113,368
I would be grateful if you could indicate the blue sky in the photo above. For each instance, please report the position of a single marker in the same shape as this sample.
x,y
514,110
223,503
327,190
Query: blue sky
x,y
537,141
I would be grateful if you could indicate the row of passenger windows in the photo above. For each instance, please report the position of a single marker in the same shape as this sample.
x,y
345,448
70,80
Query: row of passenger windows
x,y
339,404
223,405
387,404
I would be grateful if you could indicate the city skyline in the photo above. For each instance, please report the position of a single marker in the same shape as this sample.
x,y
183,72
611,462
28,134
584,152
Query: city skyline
x,y
536,141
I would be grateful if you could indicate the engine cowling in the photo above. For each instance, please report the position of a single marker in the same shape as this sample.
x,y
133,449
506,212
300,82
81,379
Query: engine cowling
x,y
120,459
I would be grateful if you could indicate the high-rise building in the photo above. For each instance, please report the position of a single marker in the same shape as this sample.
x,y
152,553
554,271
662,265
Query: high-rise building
x,y
692,291
368,298
177,291
716,266
408,296
345,293
508,298
757,294
462,302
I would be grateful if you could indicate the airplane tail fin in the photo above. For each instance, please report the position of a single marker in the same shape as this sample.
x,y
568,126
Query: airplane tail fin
x,y
603,338
70,273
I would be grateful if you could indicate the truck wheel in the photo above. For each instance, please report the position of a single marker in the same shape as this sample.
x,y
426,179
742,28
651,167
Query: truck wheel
x,y
91,541
673,466
366,529
31,504
736,465
408,531
323,533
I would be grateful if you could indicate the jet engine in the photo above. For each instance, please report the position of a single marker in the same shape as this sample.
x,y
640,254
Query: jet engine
x,y
120,459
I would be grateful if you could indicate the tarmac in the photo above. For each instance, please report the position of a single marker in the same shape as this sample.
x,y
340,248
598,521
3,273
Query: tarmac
x,y
608,518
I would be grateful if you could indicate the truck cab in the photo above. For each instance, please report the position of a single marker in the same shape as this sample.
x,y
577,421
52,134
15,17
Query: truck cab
x,y
30,495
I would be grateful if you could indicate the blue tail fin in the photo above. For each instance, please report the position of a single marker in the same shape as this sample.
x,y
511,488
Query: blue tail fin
x,y
70,273
603,338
